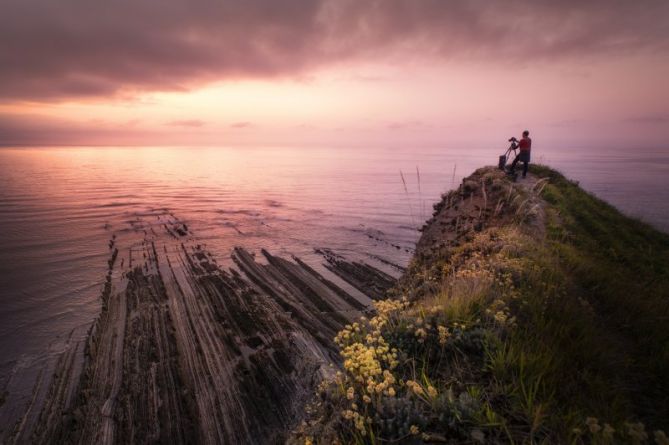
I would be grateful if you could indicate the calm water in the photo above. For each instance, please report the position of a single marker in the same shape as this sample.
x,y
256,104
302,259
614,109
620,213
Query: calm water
x,y
59,207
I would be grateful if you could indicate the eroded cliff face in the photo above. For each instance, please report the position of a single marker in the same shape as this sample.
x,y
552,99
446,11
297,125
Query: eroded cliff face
x,y
487,198
185,351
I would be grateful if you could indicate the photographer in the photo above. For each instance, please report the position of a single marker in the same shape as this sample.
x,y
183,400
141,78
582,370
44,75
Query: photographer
x,y
525,146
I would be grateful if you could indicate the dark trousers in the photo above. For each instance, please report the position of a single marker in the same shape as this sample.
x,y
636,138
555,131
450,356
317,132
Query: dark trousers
x,y
523,157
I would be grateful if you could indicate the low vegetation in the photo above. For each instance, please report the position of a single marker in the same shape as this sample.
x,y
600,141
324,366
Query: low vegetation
x,y
513,333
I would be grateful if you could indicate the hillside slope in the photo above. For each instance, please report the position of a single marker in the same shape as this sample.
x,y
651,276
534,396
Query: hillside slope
x,y
532,312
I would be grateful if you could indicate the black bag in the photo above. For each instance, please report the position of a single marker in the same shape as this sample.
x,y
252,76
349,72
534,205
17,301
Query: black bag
x,y
502,162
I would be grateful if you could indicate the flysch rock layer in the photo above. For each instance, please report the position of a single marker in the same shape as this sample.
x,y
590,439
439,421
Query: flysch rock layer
x,y
184,351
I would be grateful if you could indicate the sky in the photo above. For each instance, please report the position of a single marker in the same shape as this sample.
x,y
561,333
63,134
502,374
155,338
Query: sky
x,y
334,72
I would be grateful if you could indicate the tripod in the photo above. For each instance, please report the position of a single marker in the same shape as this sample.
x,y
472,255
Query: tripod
x,y
505,157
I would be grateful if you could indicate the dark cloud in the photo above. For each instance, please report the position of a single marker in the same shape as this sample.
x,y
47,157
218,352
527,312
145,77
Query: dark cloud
x,y
650,119
37,129
51,50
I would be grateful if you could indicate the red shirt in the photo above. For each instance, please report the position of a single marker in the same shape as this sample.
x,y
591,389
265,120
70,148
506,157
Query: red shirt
x,y
525,144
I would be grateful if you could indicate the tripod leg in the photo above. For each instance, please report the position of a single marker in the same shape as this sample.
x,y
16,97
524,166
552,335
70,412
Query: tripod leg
x,y
512,168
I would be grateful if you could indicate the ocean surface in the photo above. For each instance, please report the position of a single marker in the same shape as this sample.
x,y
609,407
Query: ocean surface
x,y
60,206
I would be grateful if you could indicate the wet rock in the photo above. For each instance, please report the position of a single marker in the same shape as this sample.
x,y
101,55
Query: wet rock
x,y
184,351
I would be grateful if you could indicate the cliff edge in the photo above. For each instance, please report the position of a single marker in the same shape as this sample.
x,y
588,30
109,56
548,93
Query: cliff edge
x,y
532,312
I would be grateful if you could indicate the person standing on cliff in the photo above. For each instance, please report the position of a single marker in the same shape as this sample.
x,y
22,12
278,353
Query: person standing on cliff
x,y
525,146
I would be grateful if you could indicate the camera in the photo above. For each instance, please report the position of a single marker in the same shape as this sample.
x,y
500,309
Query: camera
x,y
514,143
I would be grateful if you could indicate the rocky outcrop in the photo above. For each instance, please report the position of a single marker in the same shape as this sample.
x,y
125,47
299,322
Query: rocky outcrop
x,y
186,351
484,199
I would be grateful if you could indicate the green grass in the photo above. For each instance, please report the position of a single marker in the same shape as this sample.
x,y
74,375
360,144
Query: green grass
x,y
621,266
556,336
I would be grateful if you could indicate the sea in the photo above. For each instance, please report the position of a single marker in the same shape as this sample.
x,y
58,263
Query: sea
x,y
60,206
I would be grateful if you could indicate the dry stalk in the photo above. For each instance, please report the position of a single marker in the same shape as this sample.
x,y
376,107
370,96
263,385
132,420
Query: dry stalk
x,y
498,207
485,197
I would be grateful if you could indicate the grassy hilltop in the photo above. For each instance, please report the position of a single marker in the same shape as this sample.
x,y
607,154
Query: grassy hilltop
x,y
532,312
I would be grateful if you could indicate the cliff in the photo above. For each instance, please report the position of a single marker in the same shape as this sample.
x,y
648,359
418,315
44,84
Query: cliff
x,y
532,312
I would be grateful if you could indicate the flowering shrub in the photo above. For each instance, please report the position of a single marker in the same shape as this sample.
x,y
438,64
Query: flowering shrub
x,y
386,390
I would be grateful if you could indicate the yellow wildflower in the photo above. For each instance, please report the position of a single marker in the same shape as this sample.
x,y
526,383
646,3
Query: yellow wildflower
x,y
637,431
661,438
414,430
421,334
443,335
501,316
593,424
415,387
359,422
